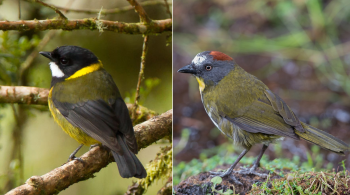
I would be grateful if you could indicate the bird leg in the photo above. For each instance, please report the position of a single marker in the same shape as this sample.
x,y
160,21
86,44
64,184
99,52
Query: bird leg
x,y
72,156
247,171
230,170
93,145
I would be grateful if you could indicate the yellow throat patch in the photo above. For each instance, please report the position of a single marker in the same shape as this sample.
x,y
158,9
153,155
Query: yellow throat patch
x,y
86,70
201,83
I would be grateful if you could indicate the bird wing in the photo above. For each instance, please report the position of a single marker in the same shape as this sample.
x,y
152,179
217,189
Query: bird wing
x,y
101,120
283,109
269,115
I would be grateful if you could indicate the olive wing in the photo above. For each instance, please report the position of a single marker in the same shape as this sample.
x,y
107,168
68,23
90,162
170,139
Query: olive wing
x,y
269,115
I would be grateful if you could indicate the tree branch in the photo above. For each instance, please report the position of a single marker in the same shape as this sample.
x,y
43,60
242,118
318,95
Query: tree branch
x,y
110,11
141,73
167,7
29,60
23,95
142,13
154,27
94,160
38,96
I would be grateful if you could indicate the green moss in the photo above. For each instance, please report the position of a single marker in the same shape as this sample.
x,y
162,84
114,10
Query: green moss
x,y
160,167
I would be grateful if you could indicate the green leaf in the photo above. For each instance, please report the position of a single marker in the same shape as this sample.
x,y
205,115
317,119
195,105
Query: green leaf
x,y
216,180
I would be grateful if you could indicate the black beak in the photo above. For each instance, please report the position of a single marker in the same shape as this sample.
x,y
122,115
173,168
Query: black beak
x,y
187,69
46,54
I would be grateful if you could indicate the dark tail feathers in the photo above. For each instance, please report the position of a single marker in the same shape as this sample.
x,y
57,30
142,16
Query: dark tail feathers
x,y
323,139
128,164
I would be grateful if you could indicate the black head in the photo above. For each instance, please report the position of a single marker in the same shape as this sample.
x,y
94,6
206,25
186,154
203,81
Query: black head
x,y
211,66
66,60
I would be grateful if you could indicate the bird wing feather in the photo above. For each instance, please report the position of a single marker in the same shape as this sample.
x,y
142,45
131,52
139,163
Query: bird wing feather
x,y
264,116
101,120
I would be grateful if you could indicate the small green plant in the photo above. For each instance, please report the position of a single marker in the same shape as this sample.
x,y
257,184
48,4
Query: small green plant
x,y
217,180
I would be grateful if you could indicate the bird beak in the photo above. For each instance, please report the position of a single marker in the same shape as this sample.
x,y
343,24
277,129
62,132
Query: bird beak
x,y
187,69
46,54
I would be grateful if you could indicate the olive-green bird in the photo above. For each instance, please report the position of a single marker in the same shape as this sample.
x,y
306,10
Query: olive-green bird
x,y
244,108
86,103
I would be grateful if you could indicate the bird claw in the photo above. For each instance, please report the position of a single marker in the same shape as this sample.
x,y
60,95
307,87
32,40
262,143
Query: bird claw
x,y
219,173
251,171
71,158
224,174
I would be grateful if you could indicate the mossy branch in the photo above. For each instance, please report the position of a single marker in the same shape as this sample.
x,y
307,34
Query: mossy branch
x,y
141,73
94,160
38,96
142,13
154,27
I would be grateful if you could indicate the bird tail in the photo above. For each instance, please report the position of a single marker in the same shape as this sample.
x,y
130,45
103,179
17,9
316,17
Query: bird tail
x,y
128,164
323,139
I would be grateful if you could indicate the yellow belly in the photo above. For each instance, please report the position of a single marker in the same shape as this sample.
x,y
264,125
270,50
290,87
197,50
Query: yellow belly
x,y
74,132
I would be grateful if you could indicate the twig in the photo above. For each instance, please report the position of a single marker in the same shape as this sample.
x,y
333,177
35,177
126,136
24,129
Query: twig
x,y
94,160
155,27
139,9
51,7
29,60
141,73
167,188
111,11
168,8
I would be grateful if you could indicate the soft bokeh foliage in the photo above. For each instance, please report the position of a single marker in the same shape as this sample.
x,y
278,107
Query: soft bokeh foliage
x,y
45,145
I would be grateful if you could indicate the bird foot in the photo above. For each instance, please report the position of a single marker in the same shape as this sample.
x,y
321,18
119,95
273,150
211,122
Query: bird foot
x,y
224,174
72,157
251,171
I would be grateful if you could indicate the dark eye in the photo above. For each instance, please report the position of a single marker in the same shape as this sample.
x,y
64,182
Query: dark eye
x,y
208,67
63,61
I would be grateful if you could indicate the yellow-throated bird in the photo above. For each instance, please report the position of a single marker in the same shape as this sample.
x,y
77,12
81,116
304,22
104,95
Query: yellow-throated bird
x,y
244,108
86,103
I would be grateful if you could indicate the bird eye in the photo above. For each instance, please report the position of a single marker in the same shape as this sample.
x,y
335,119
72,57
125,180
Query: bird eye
x,y
208,67
64,61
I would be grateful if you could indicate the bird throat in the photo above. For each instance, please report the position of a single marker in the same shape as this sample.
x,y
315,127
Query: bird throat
x,y
201,84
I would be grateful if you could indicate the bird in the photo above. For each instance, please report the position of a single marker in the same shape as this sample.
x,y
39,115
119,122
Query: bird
x,y
244,109
86,103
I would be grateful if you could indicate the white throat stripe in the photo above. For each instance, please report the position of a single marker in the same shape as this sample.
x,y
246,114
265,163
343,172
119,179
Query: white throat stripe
x,y
55,70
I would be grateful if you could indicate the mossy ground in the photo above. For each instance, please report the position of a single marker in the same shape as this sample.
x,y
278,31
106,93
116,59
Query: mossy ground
x,y
287,176
278,182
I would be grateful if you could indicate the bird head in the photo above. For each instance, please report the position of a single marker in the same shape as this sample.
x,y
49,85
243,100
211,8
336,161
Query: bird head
x,y
209,67
67,60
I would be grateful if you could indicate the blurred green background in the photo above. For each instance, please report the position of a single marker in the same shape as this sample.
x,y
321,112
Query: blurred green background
x,y
299,48
45,146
